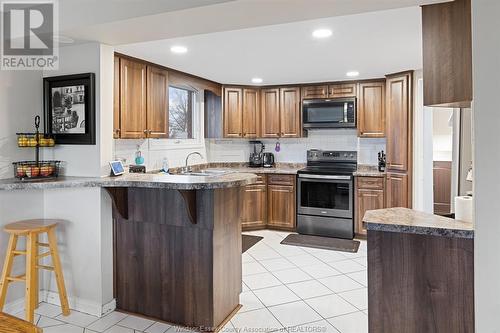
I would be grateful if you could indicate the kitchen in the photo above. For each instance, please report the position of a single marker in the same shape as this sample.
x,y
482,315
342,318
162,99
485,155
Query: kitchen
x,y
227,120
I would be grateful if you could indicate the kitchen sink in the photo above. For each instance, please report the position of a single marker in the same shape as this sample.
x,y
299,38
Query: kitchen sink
x,y
207,172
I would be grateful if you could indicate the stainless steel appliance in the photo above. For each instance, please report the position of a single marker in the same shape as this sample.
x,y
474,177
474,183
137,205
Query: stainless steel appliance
x,y
256,159
325,194
329,113
268,160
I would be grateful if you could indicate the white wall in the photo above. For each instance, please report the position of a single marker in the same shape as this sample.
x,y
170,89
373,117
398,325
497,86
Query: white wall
x,y
442,134
486,134
20,101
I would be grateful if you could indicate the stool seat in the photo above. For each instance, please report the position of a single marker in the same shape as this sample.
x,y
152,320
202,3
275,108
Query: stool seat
x,y
10,324
31,226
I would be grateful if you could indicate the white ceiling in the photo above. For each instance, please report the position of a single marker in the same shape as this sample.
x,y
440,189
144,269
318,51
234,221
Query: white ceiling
x,y
374,43
117,22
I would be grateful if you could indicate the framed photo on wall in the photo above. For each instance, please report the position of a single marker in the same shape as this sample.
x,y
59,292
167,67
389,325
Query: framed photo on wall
x,y
69,108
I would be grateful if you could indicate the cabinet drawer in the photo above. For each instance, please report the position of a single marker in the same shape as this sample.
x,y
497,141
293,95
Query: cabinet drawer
x,y
376,183
314,91
342,90
261,179
281,179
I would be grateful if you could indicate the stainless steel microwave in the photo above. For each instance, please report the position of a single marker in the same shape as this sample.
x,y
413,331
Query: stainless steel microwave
x,y
329,113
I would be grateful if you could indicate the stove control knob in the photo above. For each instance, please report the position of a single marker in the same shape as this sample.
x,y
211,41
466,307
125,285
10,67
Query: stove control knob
x,y
351,156
345,155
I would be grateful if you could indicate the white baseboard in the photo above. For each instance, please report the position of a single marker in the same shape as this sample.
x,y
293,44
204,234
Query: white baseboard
x,y
75,303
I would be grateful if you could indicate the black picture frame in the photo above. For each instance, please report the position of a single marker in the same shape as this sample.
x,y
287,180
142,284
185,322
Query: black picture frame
x,y
86,137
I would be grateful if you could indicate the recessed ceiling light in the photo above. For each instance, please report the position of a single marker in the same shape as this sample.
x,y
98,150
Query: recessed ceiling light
x,y
257,80
352,73
178,49
322,33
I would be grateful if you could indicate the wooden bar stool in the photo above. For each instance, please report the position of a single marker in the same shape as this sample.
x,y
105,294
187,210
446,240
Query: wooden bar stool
x,y
10,324
31,229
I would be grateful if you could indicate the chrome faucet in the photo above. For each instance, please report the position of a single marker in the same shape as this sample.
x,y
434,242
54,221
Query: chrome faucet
x,y
188,168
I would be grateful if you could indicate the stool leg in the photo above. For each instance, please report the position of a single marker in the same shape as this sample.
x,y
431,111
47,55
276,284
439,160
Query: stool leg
x,y
36,288
30,277
63,297
7,268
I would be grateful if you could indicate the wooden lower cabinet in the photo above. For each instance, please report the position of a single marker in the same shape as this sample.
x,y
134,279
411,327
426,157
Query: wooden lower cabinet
x,y
370,194
281,207
269,203
254,207
397,190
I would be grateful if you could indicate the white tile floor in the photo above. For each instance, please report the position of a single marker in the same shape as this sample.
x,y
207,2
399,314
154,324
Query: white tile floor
x,y
285,288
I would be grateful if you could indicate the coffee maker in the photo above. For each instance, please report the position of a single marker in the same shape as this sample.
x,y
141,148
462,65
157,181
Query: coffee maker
x,y
256,159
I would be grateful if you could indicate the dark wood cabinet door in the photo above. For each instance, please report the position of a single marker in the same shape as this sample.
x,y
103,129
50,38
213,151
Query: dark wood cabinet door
x,y
233,112
371,110
442,187
342,90
270,112
399,121
116,99
251,113
397,190
281,206
254,207
447,54
157,114
367,200
290,112
314,91
132,99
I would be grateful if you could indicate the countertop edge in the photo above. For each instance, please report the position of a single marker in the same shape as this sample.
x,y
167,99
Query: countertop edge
x,y
420,230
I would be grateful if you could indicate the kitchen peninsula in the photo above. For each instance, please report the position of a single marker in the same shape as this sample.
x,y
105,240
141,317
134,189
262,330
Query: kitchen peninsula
x,y
177,243
420,272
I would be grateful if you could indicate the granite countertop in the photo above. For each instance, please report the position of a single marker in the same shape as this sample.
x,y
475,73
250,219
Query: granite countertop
x,y
174,182
279,168
365,170
408,221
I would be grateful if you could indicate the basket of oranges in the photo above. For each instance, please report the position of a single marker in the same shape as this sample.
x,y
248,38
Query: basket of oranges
x,y
33,140
32,170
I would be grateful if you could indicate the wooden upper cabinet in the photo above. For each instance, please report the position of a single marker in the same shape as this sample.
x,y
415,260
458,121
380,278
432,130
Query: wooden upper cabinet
x,y
132,99
157,114
447,54
251,113
233,112
290,112
371,109
315,91
270,113
116,99
399,121
398,194
342,90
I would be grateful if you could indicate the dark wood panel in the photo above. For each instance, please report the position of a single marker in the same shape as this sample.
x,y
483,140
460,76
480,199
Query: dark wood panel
x,y
447,54
270,113
171,269
442,187
251,113
157,99
371,110
132,99
419,283
213,115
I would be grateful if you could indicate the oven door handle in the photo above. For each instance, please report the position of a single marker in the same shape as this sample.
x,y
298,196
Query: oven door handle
x,y
325,177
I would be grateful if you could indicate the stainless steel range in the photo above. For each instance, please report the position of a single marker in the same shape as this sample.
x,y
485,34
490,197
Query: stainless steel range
x,y
325,194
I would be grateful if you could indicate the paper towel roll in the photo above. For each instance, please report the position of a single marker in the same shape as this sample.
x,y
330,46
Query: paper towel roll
x,y
463,208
